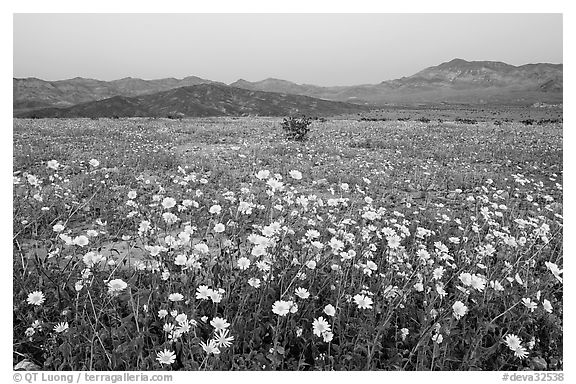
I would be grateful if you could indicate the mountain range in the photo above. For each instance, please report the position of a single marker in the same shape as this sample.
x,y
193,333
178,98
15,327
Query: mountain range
x,y
456,81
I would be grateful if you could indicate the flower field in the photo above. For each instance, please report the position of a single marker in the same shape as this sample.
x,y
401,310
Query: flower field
x,y
217,244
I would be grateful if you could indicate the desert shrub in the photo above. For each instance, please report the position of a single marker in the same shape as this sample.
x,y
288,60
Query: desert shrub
x,y
297,128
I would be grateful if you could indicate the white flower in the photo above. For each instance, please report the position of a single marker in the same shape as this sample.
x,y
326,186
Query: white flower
x,y
80,240
296,175
329,310
61,327
547,306
438,338
180,260
243,263
132,194
459,309
215,209
327,336
53,164
219,323
528,303
166,357
512,341
203,292
94,163
311,264
36,298
168,202
175,297
320,326
302,293
116,286
58,227
219,228
254,282
210,347
264,174
162,313
281,307
363,301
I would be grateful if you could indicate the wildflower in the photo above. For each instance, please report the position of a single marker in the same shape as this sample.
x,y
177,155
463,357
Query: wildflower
x,y
393,241
547,306
529,304
61,327
168,327
329,310
438,338
311,264
327,336
243,263
222,339
92,233
419,287
201,248
117,285
281,307
180,260
521,352
512,341
166,357
263,174
219,323
215,296
203,292
215,209
320,326
53,164
210,347
80,240
363,301
403,333
254,282
459,309
219,228
94,163
302,293
466,278
162,313
423,255
478,283
58,228
181,318
496,285
296,175
132,194
168,202
555,270
169,217
438,272
175,297
29,332
36,298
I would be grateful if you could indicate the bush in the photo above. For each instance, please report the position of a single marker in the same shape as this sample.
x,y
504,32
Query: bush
x,y
297,128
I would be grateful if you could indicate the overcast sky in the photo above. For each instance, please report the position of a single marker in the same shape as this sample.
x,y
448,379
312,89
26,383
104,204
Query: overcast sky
x,y
323,49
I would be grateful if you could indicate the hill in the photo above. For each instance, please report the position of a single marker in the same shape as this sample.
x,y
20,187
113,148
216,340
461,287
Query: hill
x,y
33,93
456,81
201,100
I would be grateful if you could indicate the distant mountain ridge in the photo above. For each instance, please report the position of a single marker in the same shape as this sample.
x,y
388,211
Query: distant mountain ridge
x,y
33,93
456,81
201,100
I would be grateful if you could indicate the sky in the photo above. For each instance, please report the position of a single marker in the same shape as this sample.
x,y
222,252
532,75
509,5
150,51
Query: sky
x,y
321,49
